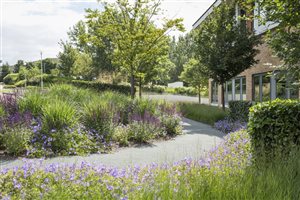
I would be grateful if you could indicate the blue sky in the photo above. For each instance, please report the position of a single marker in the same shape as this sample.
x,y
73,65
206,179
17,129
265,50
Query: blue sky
x,y
31,26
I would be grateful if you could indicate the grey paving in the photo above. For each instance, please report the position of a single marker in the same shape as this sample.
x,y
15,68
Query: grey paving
x,y
197,139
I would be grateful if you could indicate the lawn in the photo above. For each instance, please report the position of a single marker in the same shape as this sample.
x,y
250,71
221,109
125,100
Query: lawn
x,y
202,113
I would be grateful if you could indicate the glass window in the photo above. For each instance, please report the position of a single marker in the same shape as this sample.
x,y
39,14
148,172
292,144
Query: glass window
x,y
281,89
256,90
266,88
237,84
229,91
243,88
214,92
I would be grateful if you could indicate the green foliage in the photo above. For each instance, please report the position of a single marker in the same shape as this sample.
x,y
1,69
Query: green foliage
x,y
58,114
20,83
99,116
239,110
9,86
141,132
33,102
274,128
67,58
11,79
102,86
137,41
16,140
154,88
171,125
83,66
5,69
224,48
120,135
202,113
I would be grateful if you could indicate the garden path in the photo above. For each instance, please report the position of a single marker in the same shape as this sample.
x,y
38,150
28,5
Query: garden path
x,y
197,139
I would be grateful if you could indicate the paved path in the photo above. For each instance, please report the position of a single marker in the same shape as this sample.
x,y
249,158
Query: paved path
x,y
198,137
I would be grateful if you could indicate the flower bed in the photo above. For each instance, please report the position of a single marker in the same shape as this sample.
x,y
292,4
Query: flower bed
x,y
67,120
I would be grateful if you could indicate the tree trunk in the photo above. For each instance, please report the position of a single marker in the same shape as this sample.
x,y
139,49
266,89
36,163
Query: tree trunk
x,y
140,88
199,94
222,97
132,89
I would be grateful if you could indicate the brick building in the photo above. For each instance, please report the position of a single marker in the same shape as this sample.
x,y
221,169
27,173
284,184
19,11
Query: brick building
x,y
262,81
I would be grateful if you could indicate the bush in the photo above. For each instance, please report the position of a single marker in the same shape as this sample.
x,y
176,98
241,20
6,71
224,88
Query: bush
x,y
58,114
120,135
33,102
274,128
9,87
16,140
154,88
141,132
202,113
20,83
125,89
99,117
239,110
11,79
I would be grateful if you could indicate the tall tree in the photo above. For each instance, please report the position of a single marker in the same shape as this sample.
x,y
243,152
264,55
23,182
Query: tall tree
x,y
225,47
18,65
193,74
83,66
131,29
180,53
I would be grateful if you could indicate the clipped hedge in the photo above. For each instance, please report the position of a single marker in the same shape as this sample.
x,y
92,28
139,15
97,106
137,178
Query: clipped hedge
x,y
154,88
125,89
11,79
239,110
274,128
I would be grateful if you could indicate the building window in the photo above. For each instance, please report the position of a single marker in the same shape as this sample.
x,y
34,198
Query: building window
x,y
235,89
261,87
214,92
284,87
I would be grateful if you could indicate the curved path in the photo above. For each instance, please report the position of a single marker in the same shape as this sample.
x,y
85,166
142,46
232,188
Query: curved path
x,y
197,139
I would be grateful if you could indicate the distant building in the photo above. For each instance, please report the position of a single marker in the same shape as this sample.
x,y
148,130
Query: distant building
x,y
259,83
175,85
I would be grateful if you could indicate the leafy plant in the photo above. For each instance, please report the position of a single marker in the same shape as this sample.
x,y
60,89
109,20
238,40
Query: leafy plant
x,y
239,110
16,140
33,102
58,114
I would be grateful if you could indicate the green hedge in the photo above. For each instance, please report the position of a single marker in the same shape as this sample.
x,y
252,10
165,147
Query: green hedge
x,y
274,128
154,88
239,110
11,79
125,89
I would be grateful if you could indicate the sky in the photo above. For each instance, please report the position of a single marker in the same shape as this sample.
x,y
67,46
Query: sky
x,y
29,27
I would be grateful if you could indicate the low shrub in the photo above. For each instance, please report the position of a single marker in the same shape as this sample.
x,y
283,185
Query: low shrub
x,y
154,88
16,140
171,124
33,102
239,110
142,132
120,135
274,128
102,86
20,83
9,87
202,113
58,114
9,102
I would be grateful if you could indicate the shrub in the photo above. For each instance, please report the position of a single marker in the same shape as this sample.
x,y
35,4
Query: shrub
x,y
239,110
9,103
274,128
20,83
33,102
9,87
125,89
141,132
120,135
202,113
154,88
99,117
58,114
16,140
11,79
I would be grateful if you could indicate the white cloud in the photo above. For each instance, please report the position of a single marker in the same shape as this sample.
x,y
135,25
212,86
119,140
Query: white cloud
x,y
31,26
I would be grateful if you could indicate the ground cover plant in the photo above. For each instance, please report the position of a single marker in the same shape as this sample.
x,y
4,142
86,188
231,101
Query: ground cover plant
x,y
226,172
66,120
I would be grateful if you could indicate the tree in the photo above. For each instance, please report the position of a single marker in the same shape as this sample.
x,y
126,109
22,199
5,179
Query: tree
x,y
180,53
18,65
67,58
131,30
5,69
83,66
193,74
225,47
